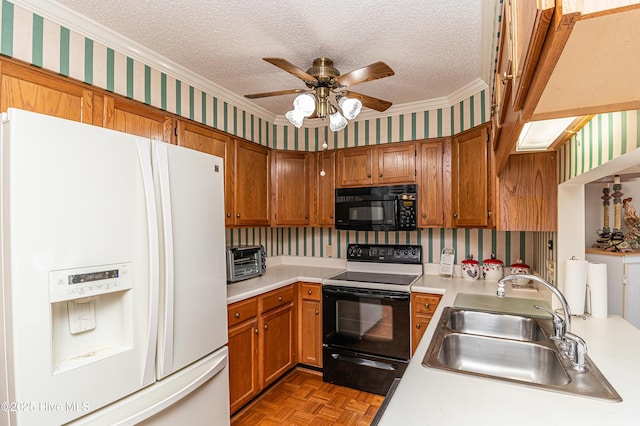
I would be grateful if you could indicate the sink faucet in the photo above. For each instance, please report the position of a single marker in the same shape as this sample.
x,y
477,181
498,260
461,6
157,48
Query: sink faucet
x,y
577,348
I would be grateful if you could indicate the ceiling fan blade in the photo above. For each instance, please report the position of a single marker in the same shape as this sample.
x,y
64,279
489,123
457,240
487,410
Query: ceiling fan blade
x,y
276,93
369,101
368,73
291,69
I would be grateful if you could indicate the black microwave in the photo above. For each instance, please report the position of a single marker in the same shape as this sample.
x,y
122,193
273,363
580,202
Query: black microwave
x,y
376,208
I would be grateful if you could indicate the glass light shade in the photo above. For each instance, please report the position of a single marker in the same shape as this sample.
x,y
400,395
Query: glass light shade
x,y
350,107
305,104
295,118
337,122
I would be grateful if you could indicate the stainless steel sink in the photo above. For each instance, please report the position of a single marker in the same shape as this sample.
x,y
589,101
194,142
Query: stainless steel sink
x,y
510,348
496,325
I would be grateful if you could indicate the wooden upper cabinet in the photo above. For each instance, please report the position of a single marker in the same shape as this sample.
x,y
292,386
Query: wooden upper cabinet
x,y
325,194
204,139
396,163
377,165
433,192
528,193
471,170
291,182
251,187
35,90
137,119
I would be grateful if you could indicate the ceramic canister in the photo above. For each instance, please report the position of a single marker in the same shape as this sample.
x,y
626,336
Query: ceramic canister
x,y
520,268
492,268
471,268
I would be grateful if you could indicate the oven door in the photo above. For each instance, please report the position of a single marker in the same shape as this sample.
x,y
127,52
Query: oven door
x,y
367,213
375,322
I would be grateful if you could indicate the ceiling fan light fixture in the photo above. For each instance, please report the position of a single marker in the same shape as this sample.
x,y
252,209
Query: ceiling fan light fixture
x,y
305,104
336,121
350,107
295,117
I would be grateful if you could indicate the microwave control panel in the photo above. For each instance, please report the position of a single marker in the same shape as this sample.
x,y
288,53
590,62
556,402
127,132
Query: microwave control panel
x,y
407,213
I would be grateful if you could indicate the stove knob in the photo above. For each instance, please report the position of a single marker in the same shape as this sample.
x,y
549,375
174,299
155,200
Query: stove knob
x,y
414,251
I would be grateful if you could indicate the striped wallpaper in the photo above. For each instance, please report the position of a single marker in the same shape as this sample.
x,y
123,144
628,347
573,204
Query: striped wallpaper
x,y
603,138
38,40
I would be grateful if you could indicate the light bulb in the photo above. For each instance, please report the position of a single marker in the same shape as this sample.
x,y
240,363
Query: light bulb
x,y
337,122
305,104
350,107
295,118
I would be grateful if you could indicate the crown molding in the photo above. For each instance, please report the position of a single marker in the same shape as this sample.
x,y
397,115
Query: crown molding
x,y
72,20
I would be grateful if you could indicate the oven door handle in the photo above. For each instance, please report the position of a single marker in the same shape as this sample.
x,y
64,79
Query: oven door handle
x,y
365,362
367,294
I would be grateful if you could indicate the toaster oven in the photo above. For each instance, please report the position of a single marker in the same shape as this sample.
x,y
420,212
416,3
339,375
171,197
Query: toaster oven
x,y
244,262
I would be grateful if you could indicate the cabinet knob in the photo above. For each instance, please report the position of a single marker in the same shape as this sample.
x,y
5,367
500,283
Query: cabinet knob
x,y
379,174
418,326
331,216
455,215
426,305
228,214
424,215
237,315
368,175
279,298
309,292
505,77
317,312
256,330
237,214
266,327
306,216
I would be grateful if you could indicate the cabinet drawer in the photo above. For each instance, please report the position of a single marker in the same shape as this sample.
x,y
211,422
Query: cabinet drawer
x,y
242,311
276,298
425,303
311,291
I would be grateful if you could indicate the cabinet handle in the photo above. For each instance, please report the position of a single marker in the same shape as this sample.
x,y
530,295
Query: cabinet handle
x,y
505,77
256,330
455,215
237,315
228,214
237,214
306,216
418,326
489,214
309,292
379,174
368,175
279,298
424,215
317,312
426,305
266,327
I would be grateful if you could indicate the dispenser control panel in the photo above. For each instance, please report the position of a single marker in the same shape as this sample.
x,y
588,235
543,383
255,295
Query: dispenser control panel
x,y
71,284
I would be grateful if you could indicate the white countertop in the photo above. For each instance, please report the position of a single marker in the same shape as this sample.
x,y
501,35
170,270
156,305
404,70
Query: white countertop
x,y
427,396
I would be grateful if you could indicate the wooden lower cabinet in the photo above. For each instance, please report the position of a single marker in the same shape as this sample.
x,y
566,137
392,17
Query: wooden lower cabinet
x,y
423,305
310,324
262,343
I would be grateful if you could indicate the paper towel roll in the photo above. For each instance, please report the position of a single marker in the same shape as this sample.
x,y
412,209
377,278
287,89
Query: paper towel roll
x,y
575,285
597,281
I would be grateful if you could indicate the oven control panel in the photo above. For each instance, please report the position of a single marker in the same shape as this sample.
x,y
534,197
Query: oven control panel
x,y
385,253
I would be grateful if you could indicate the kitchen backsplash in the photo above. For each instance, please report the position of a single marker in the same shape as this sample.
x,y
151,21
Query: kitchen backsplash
x,y
328,242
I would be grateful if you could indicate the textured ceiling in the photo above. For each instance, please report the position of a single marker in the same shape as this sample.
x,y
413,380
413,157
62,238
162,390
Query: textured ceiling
x,y
435,47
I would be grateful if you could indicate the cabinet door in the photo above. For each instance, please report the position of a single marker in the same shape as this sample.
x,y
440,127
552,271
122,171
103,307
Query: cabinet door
x,y
632,293
422,308
311,333
355,167
36,91
137,119
325,188
243,356
211,142
395,163
291,188
528,193
503,80
470,190
431,197
251,184
277,343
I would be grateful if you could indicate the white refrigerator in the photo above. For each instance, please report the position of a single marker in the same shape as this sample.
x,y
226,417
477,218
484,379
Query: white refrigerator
x,y
113,278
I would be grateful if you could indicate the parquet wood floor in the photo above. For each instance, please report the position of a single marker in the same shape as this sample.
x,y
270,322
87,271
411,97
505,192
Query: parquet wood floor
x,y
302,398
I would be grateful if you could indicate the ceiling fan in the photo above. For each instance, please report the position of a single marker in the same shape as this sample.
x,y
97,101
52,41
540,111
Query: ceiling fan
x,y
323,79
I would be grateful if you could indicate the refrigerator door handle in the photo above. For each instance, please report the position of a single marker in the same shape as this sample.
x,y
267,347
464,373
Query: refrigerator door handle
x,y
144,155
165,349
218,365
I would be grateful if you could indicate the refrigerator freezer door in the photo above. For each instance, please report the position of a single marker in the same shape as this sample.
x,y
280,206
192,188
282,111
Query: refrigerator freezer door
x,y
75,198
193,318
